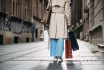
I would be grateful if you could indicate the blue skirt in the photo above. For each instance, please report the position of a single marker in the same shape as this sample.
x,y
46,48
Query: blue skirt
x,y
56,47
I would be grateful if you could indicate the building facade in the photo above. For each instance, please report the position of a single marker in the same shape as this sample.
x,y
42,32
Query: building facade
x,y
20,20
96,21
91,25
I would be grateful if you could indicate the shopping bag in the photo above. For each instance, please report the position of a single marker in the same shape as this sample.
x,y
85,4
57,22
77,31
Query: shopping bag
x,y
68,49
74,42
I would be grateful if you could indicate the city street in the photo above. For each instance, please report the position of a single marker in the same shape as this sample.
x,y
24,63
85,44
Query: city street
x,y
27,25
35,56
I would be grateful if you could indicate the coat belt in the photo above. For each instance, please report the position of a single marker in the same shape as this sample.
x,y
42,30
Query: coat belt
x,y
57,9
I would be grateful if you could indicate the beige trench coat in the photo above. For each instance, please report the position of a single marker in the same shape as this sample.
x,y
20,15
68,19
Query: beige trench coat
x,y
59,18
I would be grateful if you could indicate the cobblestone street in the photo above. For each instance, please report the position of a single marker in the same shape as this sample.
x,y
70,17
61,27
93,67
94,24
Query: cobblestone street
x,y
35,56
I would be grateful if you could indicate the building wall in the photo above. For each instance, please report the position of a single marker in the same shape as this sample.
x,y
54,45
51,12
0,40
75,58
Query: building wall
x,y
25,10
39,27
96,36
91,28
96,18
38,16
85,20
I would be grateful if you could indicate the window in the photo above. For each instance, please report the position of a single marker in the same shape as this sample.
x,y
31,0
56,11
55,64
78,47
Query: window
x,y
25,10
25,13
16,9
0,5
3,5
13,7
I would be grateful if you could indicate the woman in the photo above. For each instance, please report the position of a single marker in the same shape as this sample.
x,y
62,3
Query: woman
x,y
58,27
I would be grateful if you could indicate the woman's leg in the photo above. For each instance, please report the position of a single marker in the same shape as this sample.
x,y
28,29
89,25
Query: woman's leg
x,y
53,43
52,47
60,49
57,48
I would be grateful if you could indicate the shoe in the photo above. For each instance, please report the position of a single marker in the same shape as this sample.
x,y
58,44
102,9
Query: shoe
x,y
55,58
60,59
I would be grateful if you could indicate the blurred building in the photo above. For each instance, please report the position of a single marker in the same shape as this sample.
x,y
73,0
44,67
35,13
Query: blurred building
x,y
76,17
96,21
20,20
88,21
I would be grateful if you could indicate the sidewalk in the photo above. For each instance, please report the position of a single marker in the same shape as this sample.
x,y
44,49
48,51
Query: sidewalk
x,y
98,52
35,56
89,61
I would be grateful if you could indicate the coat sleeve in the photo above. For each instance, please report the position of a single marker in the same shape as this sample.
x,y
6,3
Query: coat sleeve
x,y
68,12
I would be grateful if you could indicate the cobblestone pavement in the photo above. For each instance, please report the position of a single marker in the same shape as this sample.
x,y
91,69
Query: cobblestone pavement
x,y
35,56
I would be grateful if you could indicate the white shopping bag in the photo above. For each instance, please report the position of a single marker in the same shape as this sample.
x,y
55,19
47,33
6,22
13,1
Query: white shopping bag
x,y
46,38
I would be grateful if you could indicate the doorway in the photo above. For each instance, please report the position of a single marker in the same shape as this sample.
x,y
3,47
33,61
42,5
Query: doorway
x,y
1,39
27,39
16,39
36,33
